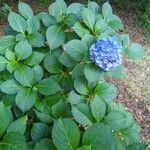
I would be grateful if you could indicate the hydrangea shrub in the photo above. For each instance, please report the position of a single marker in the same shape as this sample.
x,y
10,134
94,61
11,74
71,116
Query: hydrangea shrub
x,y
54,95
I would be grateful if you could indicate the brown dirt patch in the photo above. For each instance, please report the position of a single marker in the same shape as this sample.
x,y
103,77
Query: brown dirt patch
x,y
134,90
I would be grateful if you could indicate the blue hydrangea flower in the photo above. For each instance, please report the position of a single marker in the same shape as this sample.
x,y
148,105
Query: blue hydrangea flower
x,y
106,53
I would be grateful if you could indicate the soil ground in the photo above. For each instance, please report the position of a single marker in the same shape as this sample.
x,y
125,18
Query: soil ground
x,y
134,90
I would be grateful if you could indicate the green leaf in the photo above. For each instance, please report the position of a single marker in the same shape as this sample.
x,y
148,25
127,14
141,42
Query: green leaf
x,y
8,100
118,72
71,19
17,22
18,125
30,145
98,108
85,148
74,98
20,37
43,117
100,26
10,55
38,73
13,141
44,106
3,63
24,75
6,76
35,58
94,7
88,18
12,66
78,72
23,50
6,118
131,135
105,34
118,106
25,100
39,131
57,52
9,31
135,51
25,10
52,65
45,144
125,41
66,60
7,42
55,37
88,39
120,143
10,87
80,87
66,82
48,20
107,92
59,109
36,39
115,23
136,146
65,134
76,49
92,73
116,120
107,10
129,119
48,86
58,9
82,114
99,136
75,8
33,25
79,29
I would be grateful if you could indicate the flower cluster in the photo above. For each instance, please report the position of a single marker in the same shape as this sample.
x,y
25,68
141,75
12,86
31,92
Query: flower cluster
x,y
106,53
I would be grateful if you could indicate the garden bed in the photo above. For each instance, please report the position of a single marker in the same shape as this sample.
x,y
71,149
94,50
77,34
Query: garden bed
x,y
134,89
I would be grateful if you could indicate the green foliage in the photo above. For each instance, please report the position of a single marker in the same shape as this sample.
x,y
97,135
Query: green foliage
x,y
100,134
5,117
13,140
66,134
140,7
145,18
4,9
52,95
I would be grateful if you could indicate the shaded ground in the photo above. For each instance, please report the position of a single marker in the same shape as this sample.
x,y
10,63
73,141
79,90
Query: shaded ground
x,y
134,90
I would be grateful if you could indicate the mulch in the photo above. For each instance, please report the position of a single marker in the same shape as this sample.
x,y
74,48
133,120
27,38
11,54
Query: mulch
x,y
134,90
